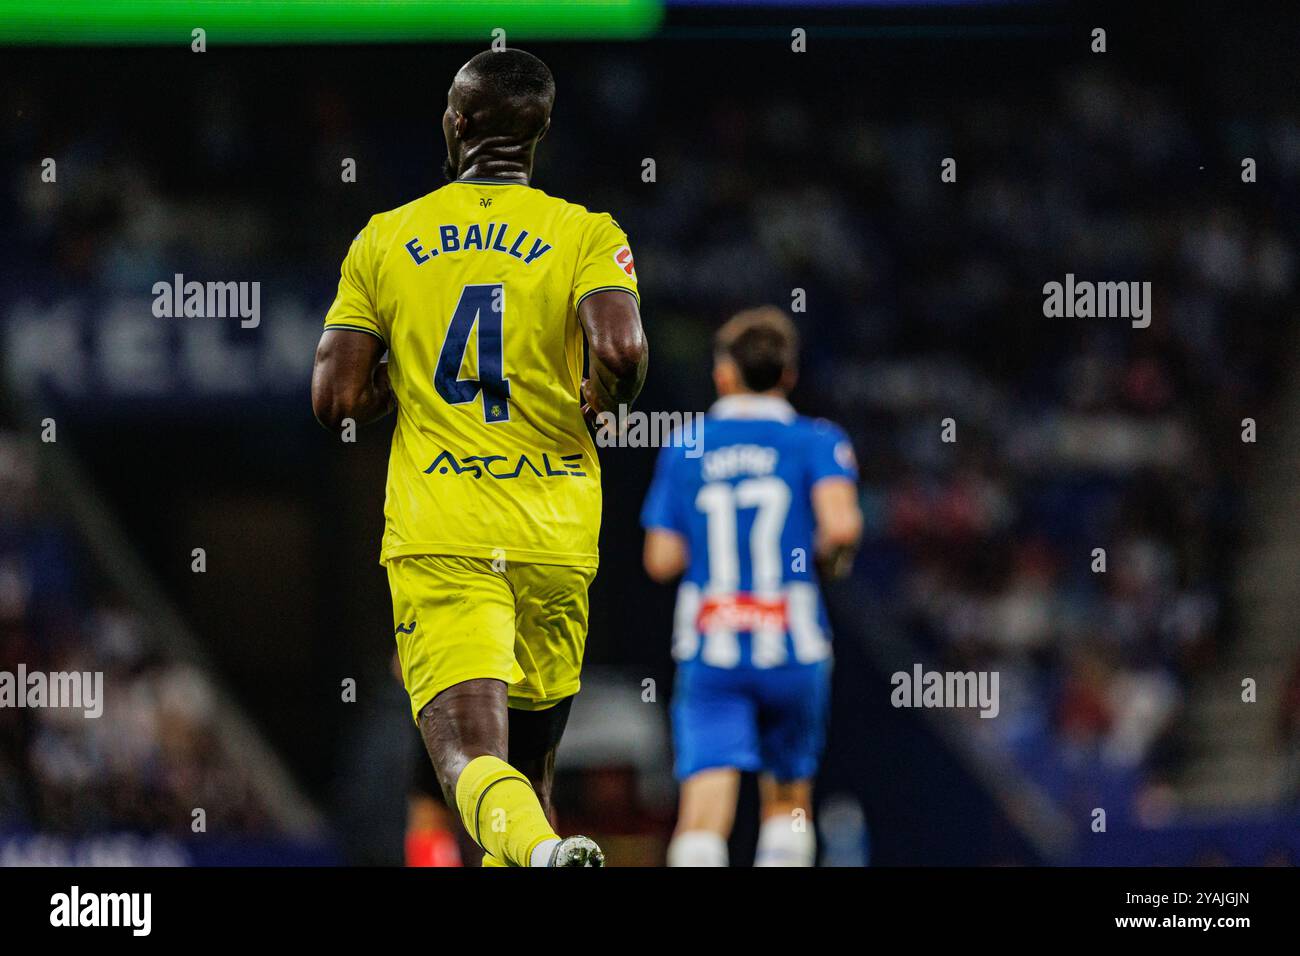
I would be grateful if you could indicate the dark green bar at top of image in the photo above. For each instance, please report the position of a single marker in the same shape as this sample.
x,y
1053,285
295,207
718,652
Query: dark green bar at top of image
x,y
78,22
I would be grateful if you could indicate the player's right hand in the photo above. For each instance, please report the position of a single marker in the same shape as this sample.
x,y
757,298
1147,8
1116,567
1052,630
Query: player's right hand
x,y
590,402
382,385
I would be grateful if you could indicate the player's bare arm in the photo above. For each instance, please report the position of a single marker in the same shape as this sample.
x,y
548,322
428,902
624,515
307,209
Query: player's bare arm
x,y
665,555
348,380
839,525
617,350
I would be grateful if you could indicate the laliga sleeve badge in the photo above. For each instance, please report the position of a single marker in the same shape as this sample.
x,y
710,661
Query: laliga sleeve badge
x,y
623,258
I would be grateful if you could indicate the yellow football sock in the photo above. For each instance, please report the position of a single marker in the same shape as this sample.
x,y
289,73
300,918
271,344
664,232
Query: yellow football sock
x,y
501,811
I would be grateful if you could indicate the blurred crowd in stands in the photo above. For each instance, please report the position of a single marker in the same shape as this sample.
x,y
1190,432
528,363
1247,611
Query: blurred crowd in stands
x,y
155,753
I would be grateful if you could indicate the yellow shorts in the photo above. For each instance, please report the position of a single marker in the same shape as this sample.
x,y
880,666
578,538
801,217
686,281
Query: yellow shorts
x,y
458,619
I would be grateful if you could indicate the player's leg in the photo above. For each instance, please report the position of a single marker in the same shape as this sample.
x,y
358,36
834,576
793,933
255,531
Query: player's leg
x,y
455,635
534,740
785,834
465,730
792,721
705,814
715,737
550,637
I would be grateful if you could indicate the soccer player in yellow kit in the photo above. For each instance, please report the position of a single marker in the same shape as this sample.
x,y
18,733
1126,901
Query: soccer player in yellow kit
x,y
479,294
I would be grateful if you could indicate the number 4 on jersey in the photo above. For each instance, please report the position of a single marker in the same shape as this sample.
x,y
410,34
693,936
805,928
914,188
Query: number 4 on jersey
x,y
483,305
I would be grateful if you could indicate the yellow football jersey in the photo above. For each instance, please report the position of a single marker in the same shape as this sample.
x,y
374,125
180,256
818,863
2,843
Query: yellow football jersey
x,y
474,288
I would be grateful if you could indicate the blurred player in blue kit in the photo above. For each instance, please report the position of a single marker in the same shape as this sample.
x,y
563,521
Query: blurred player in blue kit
x,y
751,525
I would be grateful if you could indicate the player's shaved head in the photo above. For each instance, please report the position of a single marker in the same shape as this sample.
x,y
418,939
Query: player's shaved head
x,y
498,107
507,93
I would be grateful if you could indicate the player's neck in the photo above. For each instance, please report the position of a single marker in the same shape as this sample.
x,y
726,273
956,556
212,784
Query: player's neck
x,y
520,176
506,165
